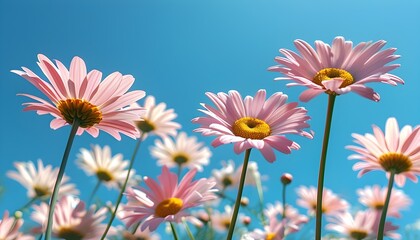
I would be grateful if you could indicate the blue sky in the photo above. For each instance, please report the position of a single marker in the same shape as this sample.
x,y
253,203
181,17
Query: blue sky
x,y
178,50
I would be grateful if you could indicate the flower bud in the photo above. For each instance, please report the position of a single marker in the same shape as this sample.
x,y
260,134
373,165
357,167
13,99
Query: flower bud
x,y
286,178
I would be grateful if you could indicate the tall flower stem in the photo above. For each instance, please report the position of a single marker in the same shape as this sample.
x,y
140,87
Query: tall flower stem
x,y
385,208
174,231
136,148
98,184
283,216
331,100
60,175
239,196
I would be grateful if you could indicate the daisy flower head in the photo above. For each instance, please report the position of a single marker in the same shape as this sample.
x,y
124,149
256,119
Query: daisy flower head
x,y
331,203
166,200
374,198
9,228
156,120
291,214
363,225
275,230
183,151
397,150
39,180
110,170
253,122
339,68
228,176
76,96
221,220
71,220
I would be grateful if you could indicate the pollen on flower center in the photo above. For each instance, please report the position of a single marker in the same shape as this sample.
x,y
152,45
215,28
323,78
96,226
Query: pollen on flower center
x,y
396,162
329,73
358,234
270,236
41,191
168,207
69,233
145,126
83,111
104,175
180,158
249,127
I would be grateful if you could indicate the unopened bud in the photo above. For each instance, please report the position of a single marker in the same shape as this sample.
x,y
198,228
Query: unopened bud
x,y
244,201
246,220
286,178
18,214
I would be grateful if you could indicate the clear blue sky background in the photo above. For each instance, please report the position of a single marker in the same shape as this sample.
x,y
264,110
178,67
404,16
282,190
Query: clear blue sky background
x,y
178,50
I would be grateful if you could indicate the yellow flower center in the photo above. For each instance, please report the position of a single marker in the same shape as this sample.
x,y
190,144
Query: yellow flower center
x,y
329,73
313,205
249,127
168,207
83,111
41,191
104,175
145,126
396,162
358,234
180,158
69,234
377,205
227,181
270,236
226,223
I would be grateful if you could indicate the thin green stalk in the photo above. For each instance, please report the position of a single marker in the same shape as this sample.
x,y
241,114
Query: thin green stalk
x,y
134,230
239,196
187,228
385,208
60,175
98,184
261,199
29,203
174,231
331,100
136,148
283,216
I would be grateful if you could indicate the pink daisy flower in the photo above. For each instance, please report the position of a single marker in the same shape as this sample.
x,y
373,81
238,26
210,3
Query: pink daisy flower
x,y
337,69
363,225
374,198
275,230
292,215
395,150
167,200
71,219
9,228
75,95
331,203
40,180
183,151
157,120
253,122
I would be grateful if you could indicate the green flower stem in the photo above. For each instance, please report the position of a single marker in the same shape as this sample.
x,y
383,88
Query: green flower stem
x,y
331,100
261,199
239,196
174,231
187,228
60,175
98,184
29,203
385,208
283,216
134,230
114,213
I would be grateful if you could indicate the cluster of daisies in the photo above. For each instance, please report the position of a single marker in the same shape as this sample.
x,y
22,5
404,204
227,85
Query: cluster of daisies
x,y
205,208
